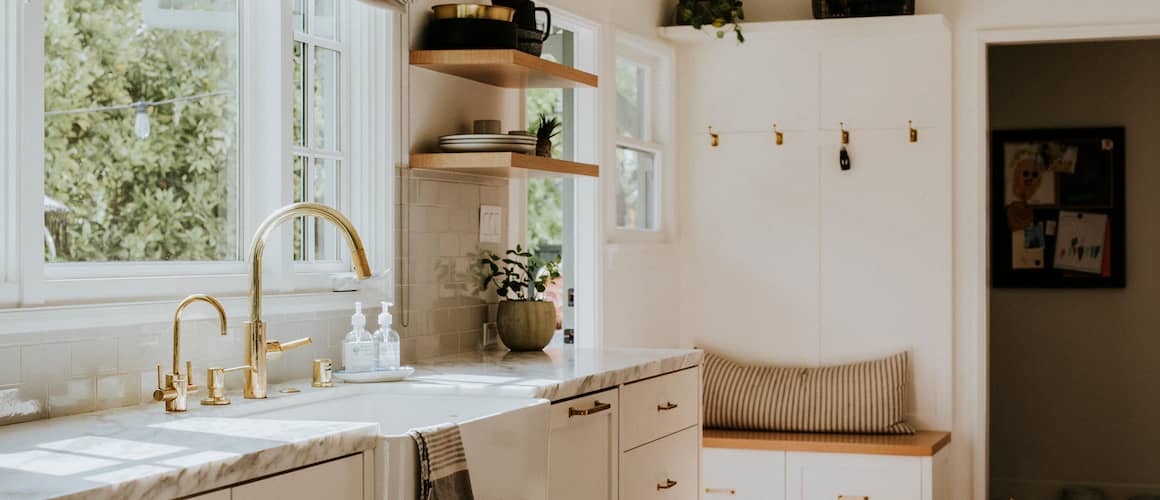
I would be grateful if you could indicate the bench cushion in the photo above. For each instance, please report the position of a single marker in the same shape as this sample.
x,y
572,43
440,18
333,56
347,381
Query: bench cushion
x,y
867,398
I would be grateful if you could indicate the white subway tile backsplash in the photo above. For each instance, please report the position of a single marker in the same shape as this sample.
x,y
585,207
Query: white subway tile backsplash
x,y
45,362
448,245
118,390
9,365
93,357
70,397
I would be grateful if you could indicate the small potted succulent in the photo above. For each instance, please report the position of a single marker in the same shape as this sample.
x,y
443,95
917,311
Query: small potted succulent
x,y
715,13
526,322
547,129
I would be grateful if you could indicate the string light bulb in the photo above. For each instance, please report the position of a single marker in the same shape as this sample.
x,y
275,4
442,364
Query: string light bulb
x,y
141,123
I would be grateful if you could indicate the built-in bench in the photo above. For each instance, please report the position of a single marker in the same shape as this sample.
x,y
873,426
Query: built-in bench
x,y
796,466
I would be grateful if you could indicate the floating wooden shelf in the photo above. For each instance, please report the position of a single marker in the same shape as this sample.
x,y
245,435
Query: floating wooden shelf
x,y
503,68
500,164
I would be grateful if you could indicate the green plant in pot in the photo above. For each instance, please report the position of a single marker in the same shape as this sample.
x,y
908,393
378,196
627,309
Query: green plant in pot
x,y
546,129
526,323
715,13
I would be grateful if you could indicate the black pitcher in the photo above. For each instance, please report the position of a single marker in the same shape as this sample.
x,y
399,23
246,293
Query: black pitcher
x,y
526,14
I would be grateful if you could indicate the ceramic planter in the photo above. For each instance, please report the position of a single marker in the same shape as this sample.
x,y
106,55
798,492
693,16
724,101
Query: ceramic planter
x,y
526,325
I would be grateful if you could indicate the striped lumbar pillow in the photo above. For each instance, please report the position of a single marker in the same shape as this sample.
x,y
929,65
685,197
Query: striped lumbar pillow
x,y
868,398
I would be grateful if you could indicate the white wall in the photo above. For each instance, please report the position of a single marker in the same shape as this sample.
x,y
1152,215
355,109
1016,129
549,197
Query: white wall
x,y
1065,359
969,18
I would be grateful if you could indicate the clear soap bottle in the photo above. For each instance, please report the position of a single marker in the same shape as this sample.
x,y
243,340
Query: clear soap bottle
x,y
358,349
388,341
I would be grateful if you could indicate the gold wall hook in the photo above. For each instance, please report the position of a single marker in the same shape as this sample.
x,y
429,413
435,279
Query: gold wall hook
x,y
778,137
913,131
845,133
714,137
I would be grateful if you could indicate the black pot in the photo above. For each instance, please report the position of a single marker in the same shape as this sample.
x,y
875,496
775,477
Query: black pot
x,y
526,14
453,34
825,9
532,42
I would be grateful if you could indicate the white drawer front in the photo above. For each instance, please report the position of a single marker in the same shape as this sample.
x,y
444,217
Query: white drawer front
x,y
829,476
742,474
665,469
659,406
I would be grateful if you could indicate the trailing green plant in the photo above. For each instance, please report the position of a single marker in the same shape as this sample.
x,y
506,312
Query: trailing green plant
x,y
715,13
520,275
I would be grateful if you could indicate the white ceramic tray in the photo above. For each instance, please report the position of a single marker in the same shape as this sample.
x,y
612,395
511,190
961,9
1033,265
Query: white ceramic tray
x,y
395,375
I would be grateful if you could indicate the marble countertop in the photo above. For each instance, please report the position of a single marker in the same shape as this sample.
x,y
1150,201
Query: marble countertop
x,y
558,372
142,452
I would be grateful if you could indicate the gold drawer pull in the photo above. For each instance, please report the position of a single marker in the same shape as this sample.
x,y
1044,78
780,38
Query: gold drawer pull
x,y
851,497
596,408
669,483
669,405
721,491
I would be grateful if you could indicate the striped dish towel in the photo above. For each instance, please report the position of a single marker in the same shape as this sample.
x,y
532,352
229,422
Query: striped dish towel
x,y
443,471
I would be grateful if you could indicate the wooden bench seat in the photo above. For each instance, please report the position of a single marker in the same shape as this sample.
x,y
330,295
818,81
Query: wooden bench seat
x,y
920,444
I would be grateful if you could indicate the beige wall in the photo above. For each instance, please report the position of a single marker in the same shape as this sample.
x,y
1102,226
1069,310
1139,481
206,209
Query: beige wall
x,y
1064,362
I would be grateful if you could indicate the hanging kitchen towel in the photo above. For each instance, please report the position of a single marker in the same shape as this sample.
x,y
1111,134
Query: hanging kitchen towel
x,y
443,471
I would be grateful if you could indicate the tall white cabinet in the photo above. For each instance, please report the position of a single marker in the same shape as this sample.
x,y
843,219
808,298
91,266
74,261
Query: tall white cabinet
x,y
785,257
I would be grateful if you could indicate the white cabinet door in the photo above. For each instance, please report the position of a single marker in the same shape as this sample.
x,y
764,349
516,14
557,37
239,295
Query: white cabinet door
x,y
583,448
884,81
659,406
742,474
885,251
340,479
666,469
829,476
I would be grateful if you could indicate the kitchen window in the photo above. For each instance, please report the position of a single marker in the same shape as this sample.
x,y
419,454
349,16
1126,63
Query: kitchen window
x,y
643,83
170,128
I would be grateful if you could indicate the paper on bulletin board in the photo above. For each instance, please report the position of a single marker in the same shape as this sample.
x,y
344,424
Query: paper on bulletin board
x,y
1028,248
1082,243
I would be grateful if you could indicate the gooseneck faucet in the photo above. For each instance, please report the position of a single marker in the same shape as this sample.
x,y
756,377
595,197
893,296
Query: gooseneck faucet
x,y
174,389
257,348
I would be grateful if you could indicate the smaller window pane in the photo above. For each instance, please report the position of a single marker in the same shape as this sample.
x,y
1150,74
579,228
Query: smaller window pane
x,y
636,189
299,196
631,100
324,21
299,95
299,17
324,190
324,82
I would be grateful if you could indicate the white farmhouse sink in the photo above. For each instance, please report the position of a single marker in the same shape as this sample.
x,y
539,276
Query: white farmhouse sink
x,y
506,439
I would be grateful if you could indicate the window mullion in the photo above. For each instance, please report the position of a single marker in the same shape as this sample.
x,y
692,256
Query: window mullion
x,y
30,150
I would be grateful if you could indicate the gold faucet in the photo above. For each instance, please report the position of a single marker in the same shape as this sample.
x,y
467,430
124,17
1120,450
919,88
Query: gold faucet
x,y
257,348
176,387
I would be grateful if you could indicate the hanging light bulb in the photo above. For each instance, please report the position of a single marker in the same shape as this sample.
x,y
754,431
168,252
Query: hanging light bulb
x,y
141,124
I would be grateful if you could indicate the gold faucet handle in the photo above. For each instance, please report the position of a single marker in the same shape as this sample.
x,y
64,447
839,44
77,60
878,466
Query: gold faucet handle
x,y
275,348
166,391
189,385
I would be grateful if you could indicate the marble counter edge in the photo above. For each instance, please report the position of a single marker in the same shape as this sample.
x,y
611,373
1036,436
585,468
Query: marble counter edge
x,y
615,377
219,474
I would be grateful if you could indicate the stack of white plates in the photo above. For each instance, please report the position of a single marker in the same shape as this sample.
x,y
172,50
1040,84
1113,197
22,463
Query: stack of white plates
x,y
488,143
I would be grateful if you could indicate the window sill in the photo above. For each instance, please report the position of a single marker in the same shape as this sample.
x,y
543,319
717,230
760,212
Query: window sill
x,y
37,321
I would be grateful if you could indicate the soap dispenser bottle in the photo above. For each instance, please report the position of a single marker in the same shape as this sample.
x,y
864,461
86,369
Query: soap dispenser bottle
x,y
388,341
358,350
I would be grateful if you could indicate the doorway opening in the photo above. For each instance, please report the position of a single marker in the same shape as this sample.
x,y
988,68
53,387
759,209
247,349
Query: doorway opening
x,y
1071,350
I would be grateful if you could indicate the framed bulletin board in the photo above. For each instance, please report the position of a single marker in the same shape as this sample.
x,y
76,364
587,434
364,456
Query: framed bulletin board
x,y
1057,208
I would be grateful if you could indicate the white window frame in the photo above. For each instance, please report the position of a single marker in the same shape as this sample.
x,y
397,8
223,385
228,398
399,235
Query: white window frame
x,y
660,117
28,284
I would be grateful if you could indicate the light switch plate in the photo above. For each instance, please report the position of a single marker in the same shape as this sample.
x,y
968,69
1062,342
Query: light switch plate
x,y
490,224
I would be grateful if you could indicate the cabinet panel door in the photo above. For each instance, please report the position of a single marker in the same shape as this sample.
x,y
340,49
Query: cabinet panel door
x,y
584,448
742,474
886,225
883,81
750,252
340,479
780,85
828,476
